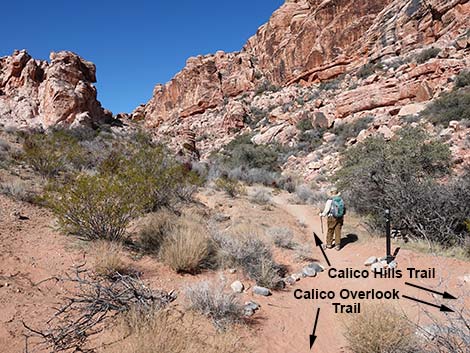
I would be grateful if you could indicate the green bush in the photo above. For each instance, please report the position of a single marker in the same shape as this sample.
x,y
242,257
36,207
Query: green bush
x,y
450,106
232,187
304,125
241,152
347,131
49,154
463,79
95,206
266,86
403,175
366,70
427,54
330,85
159,181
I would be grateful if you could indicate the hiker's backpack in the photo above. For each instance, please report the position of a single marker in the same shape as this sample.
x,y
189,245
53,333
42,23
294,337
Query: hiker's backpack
x,y
337,207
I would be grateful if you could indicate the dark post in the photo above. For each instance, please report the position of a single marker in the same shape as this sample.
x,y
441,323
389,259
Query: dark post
x,y
388,235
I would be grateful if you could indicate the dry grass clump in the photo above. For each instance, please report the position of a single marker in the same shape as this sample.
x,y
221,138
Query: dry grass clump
x,y
250,253
223,308
18,190
282,237
107,258
261,197
231,187
189,247
158,227
380,328
303,253
168,331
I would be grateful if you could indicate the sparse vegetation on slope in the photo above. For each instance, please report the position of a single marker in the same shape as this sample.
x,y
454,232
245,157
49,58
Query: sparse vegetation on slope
x,y
454,105
403,175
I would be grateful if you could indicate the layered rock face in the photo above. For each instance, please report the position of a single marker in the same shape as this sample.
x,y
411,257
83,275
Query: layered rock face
x,y
35,92
306,42
204,83
329,61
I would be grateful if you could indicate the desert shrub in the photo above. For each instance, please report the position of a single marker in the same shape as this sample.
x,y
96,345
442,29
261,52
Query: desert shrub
x,y
158,180
257,114
95,206
170,331
18,190
46,153
453,105
310,140
366,70
261,196
189,247
158,227
304,125
231,187
380,328
266,86
305,194
402,175
4,146
451,335
252,255
107,258
255,176
213,302
242,152
427,54
409,119
346,131
282,237
303,253
330,85
463,79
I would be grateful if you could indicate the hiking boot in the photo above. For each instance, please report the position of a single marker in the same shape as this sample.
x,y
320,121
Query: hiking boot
x,y
327,246
338,247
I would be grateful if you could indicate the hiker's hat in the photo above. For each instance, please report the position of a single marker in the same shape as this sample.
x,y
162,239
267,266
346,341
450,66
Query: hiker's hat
x,y
334,192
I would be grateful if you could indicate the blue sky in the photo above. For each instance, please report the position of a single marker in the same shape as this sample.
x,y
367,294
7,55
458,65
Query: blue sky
x,y
134,44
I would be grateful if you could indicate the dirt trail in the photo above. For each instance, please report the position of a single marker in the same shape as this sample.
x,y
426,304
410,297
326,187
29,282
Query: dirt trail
x,y
289,321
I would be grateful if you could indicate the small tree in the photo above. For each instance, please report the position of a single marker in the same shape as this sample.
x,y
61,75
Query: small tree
x,y
402,175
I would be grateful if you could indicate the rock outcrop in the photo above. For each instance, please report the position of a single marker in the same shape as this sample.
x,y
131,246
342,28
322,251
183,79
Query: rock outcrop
x,y
35,92
311,41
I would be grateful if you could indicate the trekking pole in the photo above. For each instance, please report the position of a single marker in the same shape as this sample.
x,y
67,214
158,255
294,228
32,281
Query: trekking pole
x,y
322,231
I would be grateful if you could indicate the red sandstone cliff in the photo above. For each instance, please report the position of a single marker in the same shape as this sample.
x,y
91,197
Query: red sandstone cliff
x,y
35,92
307,41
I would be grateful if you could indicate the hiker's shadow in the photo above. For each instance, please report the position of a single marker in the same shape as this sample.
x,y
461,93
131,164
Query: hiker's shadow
x,y
350,238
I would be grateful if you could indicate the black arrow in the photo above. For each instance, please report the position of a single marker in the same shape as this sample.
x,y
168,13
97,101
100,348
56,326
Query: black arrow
x,y
312,336
319,243
442,307
445,295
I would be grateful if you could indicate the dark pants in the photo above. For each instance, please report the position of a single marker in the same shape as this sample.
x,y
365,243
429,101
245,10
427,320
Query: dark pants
x,y
334,227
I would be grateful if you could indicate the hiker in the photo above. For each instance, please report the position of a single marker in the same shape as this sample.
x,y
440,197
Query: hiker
x,y
335,211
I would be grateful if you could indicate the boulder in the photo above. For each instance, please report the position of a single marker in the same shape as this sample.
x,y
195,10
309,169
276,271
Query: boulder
x,y
265,292
316,266
237,287
309,272
411,109
370,261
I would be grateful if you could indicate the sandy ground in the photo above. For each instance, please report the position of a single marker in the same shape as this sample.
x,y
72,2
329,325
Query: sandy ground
x,y
31,251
